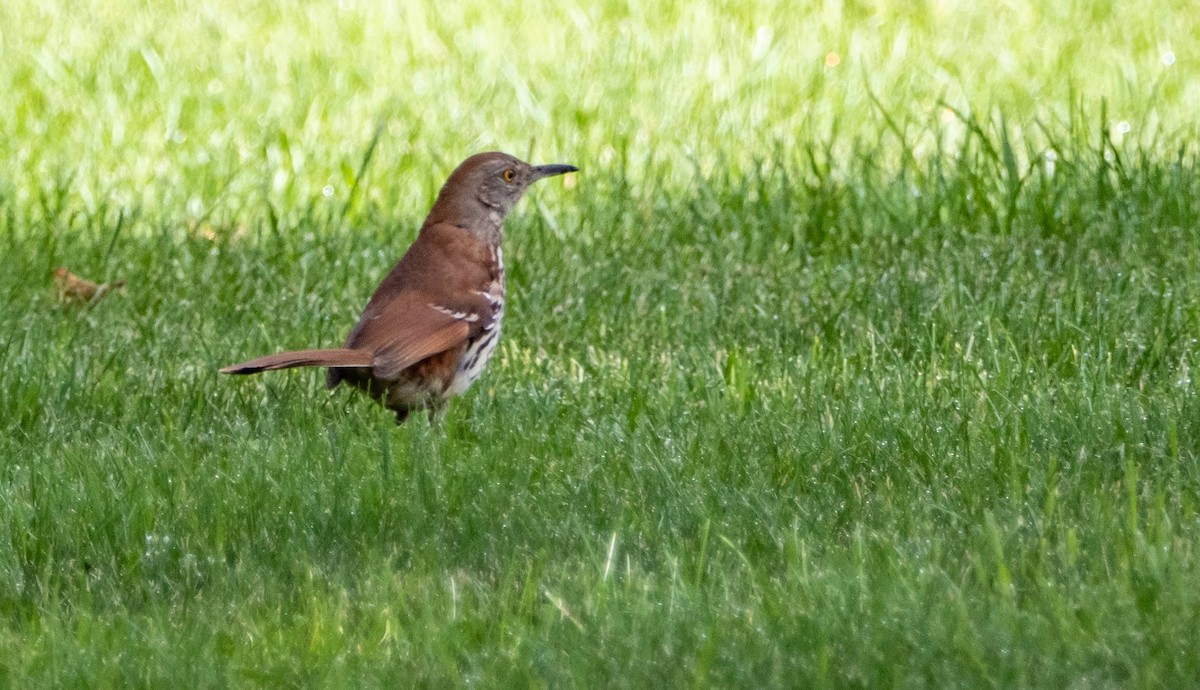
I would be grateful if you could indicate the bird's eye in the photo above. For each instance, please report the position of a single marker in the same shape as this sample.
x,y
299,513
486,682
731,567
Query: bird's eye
x,y
508,175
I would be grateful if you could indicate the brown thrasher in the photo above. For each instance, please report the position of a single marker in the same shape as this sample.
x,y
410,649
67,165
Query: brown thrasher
x,y
434,321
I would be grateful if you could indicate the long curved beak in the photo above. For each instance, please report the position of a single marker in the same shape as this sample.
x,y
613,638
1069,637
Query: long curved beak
x,y
540,171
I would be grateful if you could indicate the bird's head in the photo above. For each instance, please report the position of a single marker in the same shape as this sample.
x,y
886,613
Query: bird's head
x,y
486,186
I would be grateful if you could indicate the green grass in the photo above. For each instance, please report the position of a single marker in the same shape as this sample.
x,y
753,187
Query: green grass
x,y
869,374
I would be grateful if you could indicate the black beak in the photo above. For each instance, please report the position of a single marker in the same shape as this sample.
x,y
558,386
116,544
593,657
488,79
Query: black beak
x,y
540,171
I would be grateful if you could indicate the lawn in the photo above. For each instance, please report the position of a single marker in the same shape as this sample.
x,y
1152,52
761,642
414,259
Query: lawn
x,y
858,354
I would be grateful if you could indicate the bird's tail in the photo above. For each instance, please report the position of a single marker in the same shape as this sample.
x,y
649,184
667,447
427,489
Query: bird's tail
x,y
341,357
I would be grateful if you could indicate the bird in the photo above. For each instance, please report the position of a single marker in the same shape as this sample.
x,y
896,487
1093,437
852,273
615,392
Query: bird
x,y
431,326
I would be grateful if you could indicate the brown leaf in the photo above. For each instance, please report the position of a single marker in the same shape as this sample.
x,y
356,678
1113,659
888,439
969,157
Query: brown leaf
x,y
72,288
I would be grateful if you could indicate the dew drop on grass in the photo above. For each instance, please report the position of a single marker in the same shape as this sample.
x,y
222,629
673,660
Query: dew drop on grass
x,y
1168,58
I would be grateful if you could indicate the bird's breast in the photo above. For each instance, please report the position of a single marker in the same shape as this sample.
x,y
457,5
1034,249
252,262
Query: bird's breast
x,y
479,348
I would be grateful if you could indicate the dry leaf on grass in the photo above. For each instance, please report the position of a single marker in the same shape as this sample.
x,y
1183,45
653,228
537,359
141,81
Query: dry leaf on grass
x,y
72,288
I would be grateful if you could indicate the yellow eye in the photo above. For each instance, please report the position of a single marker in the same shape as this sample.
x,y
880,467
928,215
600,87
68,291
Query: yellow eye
x,y
509,175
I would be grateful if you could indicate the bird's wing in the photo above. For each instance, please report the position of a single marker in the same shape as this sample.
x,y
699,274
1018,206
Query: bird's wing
x,y
412,327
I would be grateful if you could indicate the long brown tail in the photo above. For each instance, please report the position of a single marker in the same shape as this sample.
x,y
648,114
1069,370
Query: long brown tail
x,y
303,358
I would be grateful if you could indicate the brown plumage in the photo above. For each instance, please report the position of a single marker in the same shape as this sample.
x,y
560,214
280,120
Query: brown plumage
x,y
434,321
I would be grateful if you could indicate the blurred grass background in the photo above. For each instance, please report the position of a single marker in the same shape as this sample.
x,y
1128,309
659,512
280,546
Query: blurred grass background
x,y
858,354
196,105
